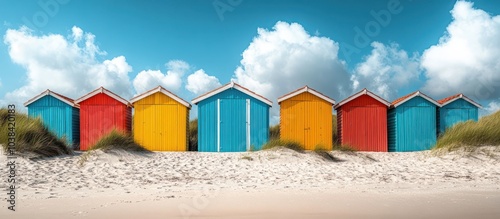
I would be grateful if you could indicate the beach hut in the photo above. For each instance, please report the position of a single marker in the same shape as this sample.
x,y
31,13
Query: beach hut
x,y
161,120
101,111
60,114
232,118
455,109
306,117
412,123
362,121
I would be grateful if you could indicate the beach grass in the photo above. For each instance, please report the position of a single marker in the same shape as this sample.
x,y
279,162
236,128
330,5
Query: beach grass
x,y
117,140
344,148
469,135
274,132
335,137
293,145
193,135
31,136
323,152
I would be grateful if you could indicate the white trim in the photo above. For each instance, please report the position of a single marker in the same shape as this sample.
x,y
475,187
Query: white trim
x,y
218,125
420,94
306,89
462,97
229,86
248,125
163,91
362,92
53,94
105,91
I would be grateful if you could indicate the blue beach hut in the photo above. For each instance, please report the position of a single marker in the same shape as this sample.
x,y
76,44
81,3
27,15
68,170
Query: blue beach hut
x,y
455,109
58,113
411,122
232,118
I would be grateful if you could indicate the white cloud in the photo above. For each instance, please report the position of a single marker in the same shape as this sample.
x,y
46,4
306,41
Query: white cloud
x,y
386,70
466,58
65,65
77,33
199,82
285,58
171,80
492,107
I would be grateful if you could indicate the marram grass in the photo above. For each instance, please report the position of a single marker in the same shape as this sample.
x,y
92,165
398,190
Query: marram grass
x,y
193,135
484,132
31,136
296,146
117,140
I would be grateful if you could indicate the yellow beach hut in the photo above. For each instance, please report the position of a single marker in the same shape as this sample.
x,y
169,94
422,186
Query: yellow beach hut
x,y
306,117
161,120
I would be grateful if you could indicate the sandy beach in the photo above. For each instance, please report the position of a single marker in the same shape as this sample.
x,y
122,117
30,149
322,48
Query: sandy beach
x,y
278,183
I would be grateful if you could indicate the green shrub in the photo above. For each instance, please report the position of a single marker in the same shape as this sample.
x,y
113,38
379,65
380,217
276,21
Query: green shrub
x,y
296,146
486,131
31,136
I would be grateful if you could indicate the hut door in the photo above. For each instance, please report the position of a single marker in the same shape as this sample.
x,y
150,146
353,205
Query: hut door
x,y
298,122
233,132
420,125
148,127
166,127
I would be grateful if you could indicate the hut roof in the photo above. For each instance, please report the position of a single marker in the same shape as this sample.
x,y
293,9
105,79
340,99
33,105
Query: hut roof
x,y
162,90
303,90
60,97
362,92
229,86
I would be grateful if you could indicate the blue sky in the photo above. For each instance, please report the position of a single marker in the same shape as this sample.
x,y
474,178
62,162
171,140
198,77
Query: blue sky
x,y
272,47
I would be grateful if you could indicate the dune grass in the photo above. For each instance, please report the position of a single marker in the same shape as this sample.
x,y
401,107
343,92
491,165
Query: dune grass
x,y
193,135
472,134
335,137
344,148
296,146
117,140
31,136
274,132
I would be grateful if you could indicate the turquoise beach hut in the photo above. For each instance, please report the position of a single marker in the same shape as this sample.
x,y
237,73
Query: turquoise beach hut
x,y
455,109
58,113
232,118
411,122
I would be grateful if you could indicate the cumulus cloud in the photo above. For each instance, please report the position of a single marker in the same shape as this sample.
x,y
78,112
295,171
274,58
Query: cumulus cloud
x,y
70,66
466,58
200,82
386,70
287,57
171,80
492,107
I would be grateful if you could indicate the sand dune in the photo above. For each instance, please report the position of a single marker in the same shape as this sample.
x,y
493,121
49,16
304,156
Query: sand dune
x,y
138,182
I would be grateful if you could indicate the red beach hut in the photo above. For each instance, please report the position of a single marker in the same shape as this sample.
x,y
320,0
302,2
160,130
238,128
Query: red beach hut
x,y
101,111
362,121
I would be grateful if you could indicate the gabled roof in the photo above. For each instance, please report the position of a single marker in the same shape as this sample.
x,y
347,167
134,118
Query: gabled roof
x,y
104,91
162,90
232,85
362,92
306,89
60,97
403,99
447,100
